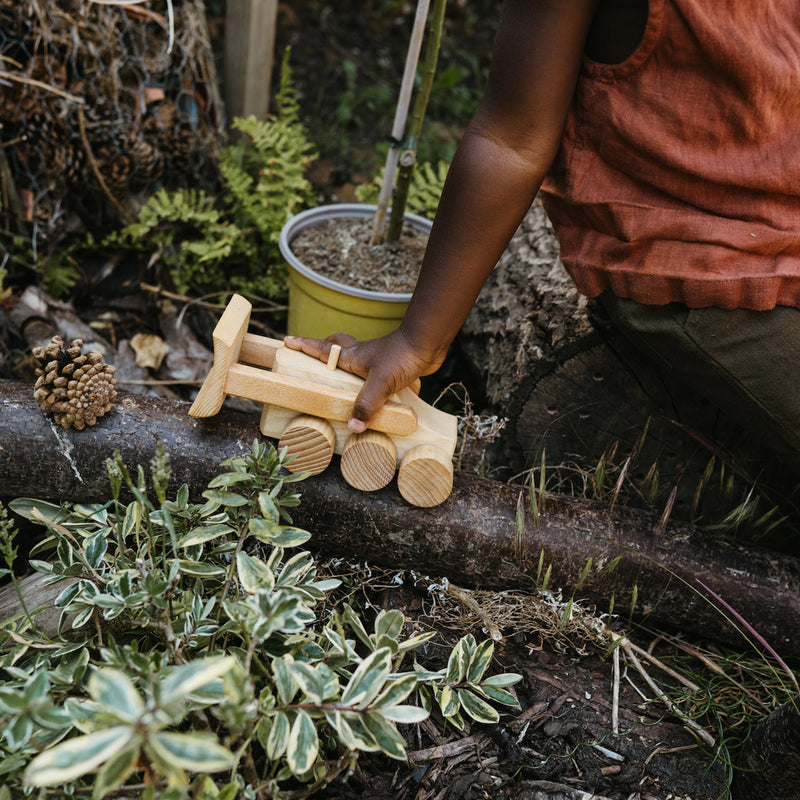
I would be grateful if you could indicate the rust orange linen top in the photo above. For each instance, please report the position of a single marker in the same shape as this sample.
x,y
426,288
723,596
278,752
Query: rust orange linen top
x,y
678,178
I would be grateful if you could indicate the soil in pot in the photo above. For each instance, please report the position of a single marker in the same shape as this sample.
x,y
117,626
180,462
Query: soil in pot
x,y
341,250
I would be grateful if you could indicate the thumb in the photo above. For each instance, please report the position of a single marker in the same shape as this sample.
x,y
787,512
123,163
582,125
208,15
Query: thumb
x,y
374,393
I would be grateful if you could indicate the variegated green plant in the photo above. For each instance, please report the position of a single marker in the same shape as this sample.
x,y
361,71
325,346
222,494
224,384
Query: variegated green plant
x,y
200,655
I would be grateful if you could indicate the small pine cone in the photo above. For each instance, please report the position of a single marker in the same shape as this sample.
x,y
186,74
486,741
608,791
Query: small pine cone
x,y
76,388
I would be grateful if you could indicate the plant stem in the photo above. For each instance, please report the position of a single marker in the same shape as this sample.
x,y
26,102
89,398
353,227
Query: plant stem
x,y
403,102
408,158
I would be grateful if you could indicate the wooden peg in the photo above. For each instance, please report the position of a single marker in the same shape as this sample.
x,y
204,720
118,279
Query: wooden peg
x,y
333,357
310,442
425,477
368,460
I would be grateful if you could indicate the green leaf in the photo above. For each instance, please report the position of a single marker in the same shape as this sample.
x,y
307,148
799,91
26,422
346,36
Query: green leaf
x,y
354,621
200,569
407,715
389,623
205,533
448,702
24,506
114,689
456,665
386,735
278,736
295,569
498,695
225,498
478,709
480,661
133,518
265,530
95,549
303,744
284,680
194,675
182,498
11,701
193,752
253,573
415,642
115,772
229,478
314,681
359,733
368,679
396,692
505,679
75,757
206,789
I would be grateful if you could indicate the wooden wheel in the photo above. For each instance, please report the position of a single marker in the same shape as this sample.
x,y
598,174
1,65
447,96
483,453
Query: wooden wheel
x,y
425,477
310,441
368,460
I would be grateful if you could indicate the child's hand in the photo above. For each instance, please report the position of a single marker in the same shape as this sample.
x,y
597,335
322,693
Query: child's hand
x,y
387,364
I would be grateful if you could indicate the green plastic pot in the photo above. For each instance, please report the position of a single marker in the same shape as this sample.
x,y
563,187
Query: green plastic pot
x,y
319,306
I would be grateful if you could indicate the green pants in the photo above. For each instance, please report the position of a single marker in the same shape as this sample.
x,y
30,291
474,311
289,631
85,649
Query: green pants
x,y
747,363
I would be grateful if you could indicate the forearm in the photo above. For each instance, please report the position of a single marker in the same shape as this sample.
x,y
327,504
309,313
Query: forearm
x,y
489,190
500,163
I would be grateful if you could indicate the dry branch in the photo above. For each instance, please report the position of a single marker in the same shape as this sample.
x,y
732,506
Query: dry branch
x,y
473,538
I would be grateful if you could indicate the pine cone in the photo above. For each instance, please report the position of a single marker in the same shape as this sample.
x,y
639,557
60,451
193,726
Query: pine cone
x,y
76,388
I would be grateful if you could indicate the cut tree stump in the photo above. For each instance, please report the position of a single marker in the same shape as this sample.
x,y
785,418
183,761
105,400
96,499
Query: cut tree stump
x,y
769,763
483,535
573,389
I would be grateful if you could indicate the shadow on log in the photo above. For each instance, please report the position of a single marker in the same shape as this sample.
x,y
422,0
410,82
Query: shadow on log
x,y
483,535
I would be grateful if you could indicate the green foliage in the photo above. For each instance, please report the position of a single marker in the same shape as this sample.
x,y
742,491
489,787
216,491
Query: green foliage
x,y
5,291
199,642
424,191
231,241
362,100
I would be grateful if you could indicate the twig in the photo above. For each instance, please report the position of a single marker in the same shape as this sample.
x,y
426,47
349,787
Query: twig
x,y
448,750
615,694
698,730
466,599
96,169
41,85
630,647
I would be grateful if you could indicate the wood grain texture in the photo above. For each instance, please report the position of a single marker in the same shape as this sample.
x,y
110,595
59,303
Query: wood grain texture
x,y
309,397
310,442
425,477
369,460
228,335
433,427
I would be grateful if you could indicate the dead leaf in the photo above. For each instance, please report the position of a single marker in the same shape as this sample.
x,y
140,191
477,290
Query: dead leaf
x,y
150,350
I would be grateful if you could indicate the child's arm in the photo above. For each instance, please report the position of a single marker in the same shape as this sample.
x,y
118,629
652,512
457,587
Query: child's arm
x,y
498,168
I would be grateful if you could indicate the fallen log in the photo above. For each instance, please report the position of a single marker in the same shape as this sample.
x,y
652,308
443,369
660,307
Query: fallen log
x,y
484,535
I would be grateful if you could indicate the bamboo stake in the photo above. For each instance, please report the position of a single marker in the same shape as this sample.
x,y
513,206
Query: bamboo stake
x,y
398,128
408,158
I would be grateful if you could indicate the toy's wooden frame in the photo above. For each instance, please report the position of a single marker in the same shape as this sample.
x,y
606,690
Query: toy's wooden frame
x,y
306,407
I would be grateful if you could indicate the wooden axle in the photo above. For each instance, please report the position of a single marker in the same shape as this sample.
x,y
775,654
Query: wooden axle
x,y
307,404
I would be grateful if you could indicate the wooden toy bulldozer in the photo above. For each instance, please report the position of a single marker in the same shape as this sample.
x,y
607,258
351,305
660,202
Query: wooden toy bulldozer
x,y
306,407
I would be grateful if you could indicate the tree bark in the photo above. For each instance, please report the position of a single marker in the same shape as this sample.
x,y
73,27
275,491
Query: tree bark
x,y
769,762
483,535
